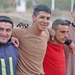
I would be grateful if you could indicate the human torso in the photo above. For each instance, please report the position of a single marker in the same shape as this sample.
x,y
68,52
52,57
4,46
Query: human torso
x,y
32,49
71,33
72,37
8,59
54,61
70,58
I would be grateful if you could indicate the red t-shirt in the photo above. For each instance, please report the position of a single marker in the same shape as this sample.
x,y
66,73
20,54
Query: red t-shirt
x,y
54,61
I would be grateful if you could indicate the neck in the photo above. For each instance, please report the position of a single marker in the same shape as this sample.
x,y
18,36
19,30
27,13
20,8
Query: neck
x,y
55,42
36,30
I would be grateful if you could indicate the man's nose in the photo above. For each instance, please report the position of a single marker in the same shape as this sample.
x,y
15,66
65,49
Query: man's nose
x,y
66,34
4,32
45,20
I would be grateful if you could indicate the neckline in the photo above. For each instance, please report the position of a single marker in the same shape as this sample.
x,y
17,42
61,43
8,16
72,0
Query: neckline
x,y
31,30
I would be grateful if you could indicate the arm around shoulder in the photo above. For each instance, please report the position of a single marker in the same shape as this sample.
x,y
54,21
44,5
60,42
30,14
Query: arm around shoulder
x,y
51,33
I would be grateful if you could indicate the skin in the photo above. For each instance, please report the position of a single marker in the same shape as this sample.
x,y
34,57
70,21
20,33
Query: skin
x,y
5,32
23,26
73,16
41,21
61,34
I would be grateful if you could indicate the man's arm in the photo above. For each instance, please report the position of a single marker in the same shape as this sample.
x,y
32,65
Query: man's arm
x,y
51,33
72,48
71,45
16,33
15,41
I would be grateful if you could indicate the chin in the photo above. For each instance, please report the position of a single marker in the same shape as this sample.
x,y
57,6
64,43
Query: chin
x,y
62,42
4,42
43,29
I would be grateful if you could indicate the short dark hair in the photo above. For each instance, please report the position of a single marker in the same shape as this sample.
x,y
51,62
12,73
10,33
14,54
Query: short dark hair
x,y
6,19
59,22
22,24
41,7
73,7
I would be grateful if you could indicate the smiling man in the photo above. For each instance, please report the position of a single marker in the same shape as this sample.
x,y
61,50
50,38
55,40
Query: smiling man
x,y
33,42
8,52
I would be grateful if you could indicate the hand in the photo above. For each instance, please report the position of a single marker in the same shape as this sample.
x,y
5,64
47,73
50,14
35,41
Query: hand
x,y
72,48
52,33
23,26
15,41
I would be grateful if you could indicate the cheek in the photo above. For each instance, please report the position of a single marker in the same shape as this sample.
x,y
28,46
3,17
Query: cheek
x,y
9,34
0,33
58,37
36,21
48,21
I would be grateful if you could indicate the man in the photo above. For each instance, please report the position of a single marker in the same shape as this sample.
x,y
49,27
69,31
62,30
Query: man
x,y
70,58
33,42
8,52
54,60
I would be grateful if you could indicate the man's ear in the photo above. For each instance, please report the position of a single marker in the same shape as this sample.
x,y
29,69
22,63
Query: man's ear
x,y
33,18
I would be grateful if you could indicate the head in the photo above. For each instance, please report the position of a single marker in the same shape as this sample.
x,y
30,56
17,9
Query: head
x,y
6,26
41,17
23,25
73,13
61,28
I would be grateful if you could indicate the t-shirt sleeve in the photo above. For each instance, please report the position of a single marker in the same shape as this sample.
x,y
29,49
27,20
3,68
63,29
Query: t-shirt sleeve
x,y
17,32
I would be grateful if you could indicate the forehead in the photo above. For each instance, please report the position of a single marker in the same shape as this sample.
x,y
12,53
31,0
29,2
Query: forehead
x,y
5,25
43,13
62,27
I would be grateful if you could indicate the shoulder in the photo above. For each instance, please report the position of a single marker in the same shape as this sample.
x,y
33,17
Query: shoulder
x,y
17,32
46,32
13,48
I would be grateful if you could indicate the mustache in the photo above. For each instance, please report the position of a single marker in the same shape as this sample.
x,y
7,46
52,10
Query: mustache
x,y
3,36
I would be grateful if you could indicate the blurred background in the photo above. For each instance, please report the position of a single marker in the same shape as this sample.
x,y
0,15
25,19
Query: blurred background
x,y
21,10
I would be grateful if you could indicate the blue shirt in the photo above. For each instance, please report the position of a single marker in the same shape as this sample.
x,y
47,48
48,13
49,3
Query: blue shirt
x,y
8,59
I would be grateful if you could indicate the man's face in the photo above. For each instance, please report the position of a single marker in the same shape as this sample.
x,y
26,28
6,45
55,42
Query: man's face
x,y
5,32
41,20
61,34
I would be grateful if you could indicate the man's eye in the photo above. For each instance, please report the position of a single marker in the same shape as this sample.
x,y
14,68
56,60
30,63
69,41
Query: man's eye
x,y
1,29
48,18
42,17
8,30
62,31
